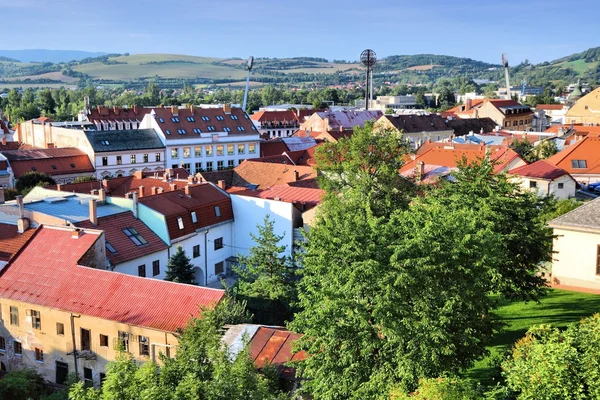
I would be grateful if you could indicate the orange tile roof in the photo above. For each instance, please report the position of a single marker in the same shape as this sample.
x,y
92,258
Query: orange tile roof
x,y
274,346
46,272
587,149
101,113
58,161
549,107
302,197
270,116
126,249
11,240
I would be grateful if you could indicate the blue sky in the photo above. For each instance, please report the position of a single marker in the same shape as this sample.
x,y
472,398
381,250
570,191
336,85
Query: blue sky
x,y
524,29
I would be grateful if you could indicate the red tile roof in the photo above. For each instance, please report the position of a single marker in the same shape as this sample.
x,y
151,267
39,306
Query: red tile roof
x,y
11,240
217,118
59,161
113,226
46,273
14,146
203,199
274,116
303,198
541,170
274,345
117,113
549,107
273,147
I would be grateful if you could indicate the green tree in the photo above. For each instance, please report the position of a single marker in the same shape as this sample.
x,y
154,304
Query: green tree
x,y
32,179
180,268
545,149
22,384
420,99
524,148
441,389
47,102
267,275
84,178
490,91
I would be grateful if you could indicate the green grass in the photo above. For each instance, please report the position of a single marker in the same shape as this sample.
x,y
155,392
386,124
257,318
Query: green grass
x,y
559,308
579,66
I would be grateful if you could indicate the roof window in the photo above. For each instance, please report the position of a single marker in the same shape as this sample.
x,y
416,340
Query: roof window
x,y
194,217
234,117
227,129
217,211
180,222
197,131
168,132
161,120
191,119
220,118
181,131
135,237
105,143
205,118
240,128
578,164
175,119
211,128
72,165
110,248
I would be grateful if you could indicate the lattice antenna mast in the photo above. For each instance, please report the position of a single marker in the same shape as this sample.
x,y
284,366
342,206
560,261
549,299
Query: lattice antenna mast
x,y
368,58
249,66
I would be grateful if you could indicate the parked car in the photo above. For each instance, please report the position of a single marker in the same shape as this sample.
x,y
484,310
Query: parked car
x,y
594,187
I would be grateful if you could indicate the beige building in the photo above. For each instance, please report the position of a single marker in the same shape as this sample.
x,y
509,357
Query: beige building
x,y
508,114
62,314
586,110
576,261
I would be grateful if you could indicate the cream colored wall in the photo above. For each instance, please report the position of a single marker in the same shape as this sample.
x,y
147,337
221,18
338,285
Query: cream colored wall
x,y
545,187
56,347
575,259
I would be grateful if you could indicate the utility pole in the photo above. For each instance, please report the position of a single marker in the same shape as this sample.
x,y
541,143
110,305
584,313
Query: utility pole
x,y
74,343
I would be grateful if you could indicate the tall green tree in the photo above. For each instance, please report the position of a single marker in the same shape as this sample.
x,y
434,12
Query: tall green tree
x,y
180,268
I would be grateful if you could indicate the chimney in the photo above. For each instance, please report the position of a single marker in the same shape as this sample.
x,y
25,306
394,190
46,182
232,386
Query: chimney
x,y
420,172
173,186
192,109
4,141
227,108
221,184
101,195
153,190
190,179
468,104
1,195
19,200
141,191
93,212
296,176
76,233
160,190
174,110
59,187
135,109
105,185
135,205
188,191
138,174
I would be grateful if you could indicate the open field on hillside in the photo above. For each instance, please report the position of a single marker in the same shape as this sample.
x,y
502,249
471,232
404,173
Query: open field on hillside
x,y
423,67
580,66
36,85
559,309
57,76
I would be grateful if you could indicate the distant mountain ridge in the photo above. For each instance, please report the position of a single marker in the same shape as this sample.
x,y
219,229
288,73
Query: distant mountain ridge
x,y
43,55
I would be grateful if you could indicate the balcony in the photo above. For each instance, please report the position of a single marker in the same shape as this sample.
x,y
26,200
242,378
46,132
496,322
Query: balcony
x,y
86,354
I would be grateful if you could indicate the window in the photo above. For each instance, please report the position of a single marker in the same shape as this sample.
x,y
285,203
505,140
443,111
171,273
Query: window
x,y
144,345
507,124
194,217
119,160
598,260
2,343
123,340
168,132
230,163
230,149
211,128
72,165
103,340
142,270
219,165
60,329
209,165
240,128
205,118
146,158
110,247
132,159
88,379
218,243
220,150
105,161
174,166
157,157
196,251
181,131
578,164
36,319
219,268
174,152
220,118
155,267
135,237
520,122
532,184
227,129
208,150
175,119
39,355
198,167
187,166
217,211
14,316
241,148
561,185
234,117
187,152
197,151
18,348
180,222
86,339
161,120
191,119
251,148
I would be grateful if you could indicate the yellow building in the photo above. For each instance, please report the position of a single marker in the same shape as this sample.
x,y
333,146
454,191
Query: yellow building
x,y
586,110
59,314
508,114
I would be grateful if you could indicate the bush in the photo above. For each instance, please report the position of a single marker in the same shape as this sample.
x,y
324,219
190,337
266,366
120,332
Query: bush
x,y
32,179
23,384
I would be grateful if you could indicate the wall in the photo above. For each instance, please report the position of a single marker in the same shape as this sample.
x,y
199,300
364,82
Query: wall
x,y
40,135
575,259
131,267
251,211
56,347
125,168
155,221
544,187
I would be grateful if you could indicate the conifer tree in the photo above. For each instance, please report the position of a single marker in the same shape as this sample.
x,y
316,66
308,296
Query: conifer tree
x,y
179,268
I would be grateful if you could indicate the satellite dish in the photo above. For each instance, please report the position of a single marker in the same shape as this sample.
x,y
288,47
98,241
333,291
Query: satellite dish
x,y
250,63
368,58
504,60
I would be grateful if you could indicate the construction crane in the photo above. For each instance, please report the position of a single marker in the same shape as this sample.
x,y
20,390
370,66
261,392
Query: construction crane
x,y
505,65
249,67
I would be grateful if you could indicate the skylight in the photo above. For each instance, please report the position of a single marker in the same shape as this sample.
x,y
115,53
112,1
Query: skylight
x,y
234,117
220,118
205,118
161,120
135,237
168,132
191,119
175,119
110,248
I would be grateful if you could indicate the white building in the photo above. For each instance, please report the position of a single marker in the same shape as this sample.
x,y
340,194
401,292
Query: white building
x,y
204,139
545,179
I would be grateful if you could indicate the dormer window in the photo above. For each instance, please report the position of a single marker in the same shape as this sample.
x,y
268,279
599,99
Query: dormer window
x,y
205,118
175,119
578,164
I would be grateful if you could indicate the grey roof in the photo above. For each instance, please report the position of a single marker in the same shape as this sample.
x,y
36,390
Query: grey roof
x,y
586,216
132,139
299,143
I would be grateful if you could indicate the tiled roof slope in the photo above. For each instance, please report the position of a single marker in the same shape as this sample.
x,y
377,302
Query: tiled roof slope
x,y
190,119
279,116
274,346
113,226
46,273
586,216
418,123
133,139
587,150
203,199
117,113
299,196
11,240
60,161
464,126
540,170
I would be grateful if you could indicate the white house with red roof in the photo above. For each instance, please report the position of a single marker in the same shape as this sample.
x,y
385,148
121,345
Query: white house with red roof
x,y
204,138
545,179
276,124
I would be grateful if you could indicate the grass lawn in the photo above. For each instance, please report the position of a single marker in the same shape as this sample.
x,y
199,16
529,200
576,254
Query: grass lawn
x,y
559,308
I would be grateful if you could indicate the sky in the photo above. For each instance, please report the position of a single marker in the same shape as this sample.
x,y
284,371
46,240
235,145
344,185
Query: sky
x,y
537,30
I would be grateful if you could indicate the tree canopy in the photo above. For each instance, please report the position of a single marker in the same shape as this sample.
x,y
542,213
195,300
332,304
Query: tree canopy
x,y
180,268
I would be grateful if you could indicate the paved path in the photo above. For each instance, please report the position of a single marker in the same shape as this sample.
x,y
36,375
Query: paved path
x,y
576,289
